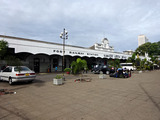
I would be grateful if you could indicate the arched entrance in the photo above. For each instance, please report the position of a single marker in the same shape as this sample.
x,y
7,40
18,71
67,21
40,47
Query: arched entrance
x,y
36,65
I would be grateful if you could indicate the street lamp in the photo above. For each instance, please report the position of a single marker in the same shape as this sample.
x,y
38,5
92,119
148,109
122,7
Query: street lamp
x,y
64,36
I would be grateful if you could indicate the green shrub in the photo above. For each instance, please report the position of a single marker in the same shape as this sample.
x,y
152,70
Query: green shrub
x,y
67,69
78,65
58,77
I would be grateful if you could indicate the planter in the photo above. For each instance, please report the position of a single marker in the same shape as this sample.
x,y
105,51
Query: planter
x,y
57,81
139,71
102,76
68,72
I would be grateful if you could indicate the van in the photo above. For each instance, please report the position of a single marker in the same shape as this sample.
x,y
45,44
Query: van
x,y
128,66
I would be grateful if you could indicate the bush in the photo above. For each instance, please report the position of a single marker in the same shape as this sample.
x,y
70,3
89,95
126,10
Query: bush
x,y
67,69
58,77
78,65
13,61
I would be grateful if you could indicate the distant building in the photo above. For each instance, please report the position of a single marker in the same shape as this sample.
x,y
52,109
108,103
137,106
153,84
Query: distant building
x,y
128,52
142,39
103,46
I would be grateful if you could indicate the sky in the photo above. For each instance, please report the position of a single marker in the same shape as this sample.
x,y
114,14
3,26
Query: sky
x,y
87,21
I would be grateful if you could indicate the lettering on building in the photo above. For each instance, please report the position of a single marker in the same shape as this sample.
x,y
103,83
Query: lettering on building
x,y
111,56
92,54
106,56
117,56
57,51
77,53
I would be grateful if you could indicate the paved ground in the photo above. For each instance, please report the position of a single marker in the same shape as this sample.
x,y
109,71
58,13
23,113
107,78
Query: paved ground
x,y
135,98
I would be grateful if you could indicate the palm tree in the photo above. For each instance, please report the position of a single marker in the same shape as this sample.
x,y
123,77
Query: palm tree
x,y
78,65
132,59
154,60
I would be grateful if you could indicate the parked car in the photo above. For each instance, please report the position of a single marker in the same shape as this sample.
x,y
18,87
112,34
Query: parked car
x,y
17,74
101,68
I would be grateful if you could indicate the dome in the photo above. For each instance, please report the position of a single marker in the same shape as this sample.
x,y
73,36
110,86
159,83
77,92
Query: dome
x,y
105,39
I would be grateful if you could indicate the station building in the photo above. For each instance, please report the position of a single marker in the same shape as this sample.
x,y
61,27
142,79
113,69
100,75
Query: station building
x,y
41,56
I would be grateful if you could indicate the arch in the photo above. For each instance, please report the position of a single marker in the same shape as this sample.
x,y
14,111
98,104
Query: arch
x,y
56,54
42,54
23,55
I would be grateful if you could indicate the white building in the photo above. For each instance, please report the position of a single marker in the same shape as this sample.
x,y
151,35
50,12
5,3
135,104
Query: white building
x,y
104,46
41,56
128,52
142,39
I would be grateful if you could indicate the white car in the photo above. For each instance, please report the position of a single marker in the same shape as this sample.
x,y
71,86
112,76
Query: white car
x,y
17,74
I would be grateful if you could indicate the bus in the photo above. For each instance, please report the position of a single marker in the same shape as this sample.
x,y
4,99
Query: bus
x,y
128,66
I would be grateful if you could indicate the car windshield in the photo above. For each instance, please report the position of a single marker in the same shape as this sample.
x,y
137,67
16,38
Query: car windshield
x,y
22,68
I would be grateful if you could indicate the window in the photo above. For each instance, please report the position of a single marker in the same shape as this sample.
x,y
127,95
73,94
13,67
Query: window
x,y
55,62
21,69
8,69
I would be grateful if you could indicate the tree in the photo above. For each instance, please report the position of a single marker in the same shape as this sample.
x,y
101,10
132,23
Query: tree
x,y
144,48
154,60
158,43
115,63
142,64
78,65
13,61
137,63
150,48
153,50
3,48
132,59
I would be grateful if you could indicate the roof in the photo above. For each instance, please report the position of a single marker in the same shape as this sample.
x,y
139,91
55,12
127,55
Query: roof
x,y
26,39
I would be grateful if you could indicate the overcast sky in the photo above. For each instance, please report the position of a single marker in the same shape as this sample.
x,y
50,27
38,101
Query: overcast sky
x,y
87,21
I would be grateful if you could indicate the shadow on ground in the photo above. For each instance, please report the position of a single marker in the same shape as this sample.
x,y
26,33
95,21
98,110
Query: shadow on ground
x,y
36,82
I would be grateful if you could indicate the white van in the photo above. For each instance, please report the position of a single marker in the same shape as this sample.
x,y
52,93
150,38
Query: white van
x,y
128,66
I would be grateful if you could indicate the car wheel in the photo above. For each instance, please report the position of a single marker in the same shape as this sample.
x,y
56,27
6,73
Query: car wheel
x,y
30,81
10,81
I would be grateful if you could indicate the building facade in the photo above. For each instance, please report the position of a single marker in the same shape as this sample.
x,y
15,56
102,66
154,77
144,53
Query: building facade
x,y
128,52
142,39
104,46
41,56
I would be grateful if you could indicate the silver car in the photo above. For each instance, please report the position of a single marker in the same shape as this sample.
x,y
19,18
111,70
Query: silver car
x,y
17,74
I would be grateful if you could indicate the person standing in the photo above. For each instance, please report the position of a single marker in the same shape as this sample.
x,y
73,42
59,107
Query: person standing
x,y
56,68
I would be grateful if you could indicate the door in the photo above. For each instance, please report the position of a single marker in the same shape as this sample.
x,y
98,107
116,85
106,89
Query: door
x,y
55,62
36,65
6,73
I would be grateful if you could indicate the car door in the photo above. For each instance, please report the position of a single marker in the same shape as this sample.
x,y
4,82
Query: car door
x,y
6,73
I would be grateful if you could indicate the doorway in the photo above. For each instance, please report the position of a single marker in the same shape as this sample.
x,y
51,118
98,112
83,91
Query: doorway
x,y
36,65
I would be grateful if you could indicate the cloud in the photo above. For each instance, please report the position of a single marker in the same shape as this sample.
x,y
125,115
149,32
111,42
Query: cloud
x,y
86,21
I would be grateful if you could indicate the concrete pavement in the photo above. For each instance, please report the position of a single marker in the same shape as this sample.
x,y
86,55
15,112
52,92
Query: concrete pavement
x,y
135,98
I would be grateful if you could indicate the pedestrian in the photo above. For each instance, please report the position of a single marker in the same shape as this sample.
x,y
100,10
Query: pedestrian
x,y
56,69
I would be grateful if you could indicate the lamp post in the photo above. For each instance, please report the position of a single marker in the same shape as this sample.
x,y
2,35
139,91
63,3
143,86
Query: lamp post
x,y
64,36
